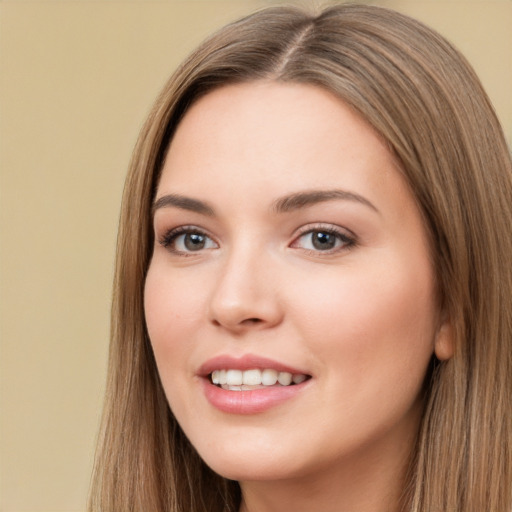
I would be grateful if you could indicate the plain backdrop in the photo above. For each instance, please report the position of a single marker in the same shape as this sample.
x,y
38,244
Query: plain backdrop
x,y
77,80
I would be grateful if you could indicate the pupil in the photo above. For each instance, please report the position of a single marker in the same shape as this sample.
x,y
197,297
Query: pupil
x,y
323,241
194,241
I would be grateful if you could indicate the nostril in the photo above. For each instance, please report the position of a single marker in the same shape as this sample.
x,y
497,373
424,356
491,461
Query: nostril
x,y
247,321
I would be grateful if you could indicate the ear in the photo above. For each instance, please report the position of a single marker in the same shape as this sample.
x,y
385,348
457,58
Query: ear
x,y
444,345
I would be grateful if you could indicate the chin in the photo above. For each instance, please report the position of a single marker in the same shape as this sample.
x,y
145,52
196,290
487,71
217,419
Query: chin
x,y
240,471
254,463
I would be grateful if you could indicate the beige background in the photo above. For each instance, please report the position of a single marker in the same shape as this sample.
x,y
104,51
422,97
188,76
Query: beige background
x,y
77,79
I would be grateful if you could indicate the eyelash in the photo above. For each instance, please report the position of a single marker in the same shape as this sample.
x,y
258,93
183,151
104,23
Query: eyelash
x,y
170,237
347,241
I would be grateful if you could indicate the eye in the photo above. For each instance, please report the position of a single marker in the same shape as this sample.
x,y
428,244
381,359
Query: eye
x,y
185,240
325,240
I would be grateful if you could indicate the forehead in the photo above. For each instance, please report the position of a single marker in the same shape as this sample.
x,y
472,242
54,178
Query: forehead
x,y
274,130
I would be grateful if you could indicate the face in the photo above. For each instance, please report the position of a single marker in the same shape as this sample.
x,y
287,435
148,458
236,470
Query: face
x,y
289,247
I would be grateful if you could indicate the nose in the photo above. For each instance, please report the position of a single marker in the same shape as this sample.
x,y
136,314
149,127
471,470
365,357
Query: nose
x,y
245,296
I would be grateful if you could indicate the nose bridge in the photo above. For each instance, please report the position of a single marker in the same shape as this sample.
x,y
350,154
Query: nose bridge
x,y
245,292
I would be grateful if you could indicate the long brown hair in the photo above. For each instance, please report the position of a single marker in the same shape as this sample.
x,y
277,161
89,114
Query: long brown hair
x,y
424,99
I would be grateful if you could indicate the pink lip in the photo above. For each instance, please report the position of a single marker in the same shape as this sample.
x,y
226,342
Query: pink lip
x,y
248,402
246,362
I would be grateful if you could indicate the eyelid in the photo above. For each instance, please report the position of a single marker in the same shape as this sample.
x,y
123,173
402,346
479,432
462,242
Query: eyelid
x,y
170,235
348,238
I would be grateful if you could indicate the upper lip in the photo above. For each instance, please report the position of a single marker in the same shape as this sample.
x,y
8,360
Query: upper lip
x,y
245,362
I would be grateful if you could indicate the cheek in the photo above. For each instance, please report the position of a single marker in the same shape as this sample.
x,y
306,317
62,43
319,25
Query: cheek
x,y
172,319
171,315
377,316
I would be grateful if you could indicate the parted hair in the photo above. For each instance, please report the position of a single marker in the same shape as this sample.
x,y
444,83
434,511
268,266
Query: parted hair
x,y
424,99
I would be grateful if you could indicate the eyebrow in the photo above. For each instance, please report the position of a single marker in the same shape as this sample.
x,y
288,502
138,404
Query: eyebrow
x,y
183,203
311,197
284,204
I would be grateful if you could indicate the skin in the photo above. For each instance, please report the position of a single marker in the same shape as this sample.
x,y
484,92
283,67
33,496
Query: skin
x,y
361,319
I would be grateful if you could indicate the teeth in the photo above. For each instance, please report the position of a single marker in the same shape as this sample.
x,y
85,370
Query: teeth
x,y
234,377
268,377
284,378
251,377
298,378
255,377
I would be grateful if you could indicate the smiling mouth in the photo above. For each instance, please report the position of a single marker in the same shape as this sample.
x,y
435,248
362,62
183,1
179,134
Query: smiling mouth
x,y
247,380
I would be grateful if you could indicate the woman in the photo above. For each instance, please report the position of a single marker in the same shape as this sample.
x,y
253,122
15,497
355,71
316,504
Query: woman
x,y
312,294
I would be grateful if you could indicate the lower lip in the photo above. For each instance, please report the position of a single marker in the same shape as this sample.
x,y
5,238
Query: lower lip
x,y
250,402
